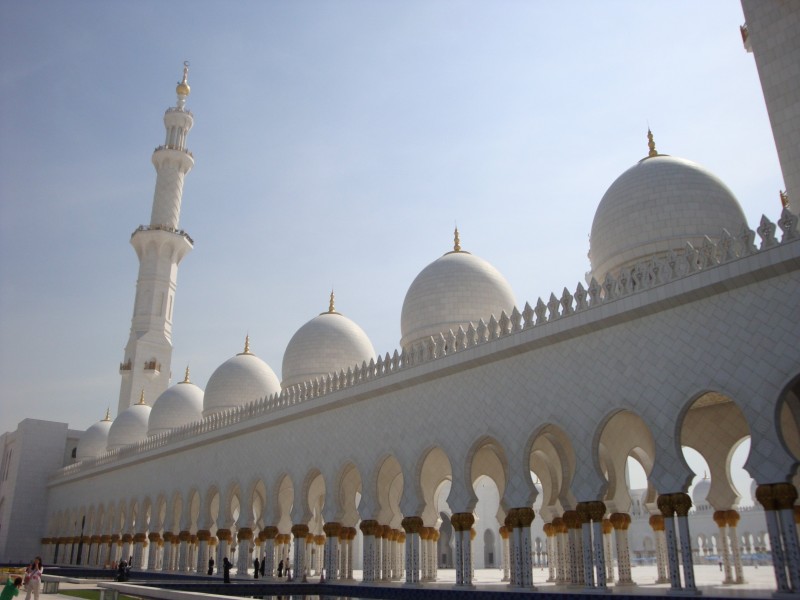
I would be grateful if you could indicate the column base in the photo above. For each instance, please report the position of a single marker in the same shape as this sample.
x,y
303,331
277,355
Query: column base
x,y
685,592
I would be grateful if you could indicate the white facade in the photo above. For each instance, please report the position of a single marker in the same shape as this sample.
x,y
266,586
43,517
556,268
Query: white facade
x,y
510,423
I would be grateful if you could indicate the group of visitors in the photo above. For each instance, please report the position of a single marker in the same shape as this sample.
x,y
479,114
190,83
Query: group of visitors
x,y
259,568
32,582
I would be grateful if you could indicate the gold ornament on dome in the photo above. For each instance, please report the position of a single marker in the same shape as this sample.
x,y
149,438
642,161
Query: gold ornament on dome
x,y
183,88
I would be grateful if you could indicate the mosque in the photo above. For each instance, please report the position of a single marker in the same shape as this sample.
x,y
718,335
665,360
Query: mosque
x,y
496,434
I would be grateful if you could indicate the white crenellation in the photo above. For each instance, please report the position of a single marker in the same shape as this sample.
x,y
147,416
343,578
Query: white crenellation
x,y
766,230
788,225
648,274
552,306
541,312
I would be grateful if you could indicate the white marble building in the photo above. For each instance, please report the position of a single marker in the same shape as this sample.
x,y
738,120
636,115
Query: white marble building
x,y
498,433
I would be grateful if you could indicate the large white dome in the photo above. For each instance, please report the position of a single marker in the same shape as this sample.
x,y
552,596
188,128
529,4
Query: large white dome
x,y
454,290
179,405
327,344
239,380
130,426
94,440
656,206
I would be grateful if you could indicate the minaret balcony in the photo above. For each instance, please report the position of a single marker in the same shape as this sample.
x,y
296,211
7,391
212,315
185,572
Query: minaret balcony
x,y
125,368
152,368
167,228
172,147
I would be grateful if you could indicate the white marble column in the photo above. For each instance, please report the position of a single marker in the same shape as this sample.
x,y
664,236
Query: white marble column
x,y
733,519
412,526
721,519
552,553
608,528
331,558
505,550
462,524
300,533
621,522
667,508
682,503
369,529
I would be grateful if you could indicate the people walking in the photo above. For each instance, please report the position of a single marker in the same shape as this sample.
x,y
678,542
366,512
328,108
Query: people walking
x,y
226,570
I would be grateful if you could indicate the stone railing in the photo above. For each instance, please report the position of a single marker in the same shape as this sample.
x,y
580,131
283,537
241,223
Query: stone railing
x,y
173,147
180,110
640,277
168,228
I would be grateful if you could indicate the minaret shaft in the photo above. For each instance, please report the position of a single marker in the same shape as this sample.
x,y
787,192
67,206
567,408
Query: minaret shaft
x,y
160,247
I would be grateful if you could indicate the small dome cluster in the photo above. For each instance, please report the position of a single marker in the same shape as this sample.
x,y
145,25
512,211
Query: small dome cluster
x,y
655,207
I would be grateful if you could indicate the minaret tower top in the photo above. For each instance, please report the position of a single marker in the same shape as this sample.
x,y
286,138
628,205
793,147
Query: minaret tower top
x,y
160,247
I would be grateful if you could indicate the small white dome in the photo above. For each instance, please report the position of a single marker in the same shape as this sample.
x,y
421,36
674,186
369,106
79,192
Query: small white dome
x,y
656,206
454,290
326,344
239,380
94,440
130,426
179,405
700,492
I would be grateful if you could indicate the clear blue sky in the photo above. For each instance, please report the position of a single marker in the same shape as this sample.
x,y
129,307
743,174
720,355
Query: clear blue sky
x,y
336,144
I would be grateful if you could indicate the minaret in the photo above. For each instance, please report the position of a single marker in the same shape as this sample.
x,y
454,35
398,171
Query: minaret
x,y
160,247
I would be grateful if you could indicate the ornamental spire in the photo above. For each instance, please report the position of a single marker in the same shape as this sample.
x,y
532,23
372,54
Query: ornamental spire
x,y
141,398
108,415
186,376
456,241
331,307
246,345
651,144
183,90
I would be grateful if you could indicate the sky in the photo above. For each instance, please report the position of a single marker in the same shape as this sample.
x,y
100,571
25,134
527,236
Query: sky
x,y
336,145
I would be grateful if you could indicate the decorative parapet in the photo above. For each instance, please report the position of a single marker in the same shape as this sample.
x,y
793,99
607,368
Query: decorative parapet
x,y
632,280
166,228
173,147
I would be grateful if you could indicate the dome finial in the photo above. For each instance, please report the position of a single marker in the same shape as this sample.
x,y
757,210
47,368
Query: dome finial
x,y
183,88
108,415
186,376
651,144
247,344
456,241
331,307
784,198
141,398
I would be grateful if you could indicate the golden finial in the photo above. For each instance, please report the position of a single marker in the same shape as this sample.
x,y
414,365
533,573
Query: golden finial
x,y
784,198
651,144
108,415
186,376
331,307
141,398
183,88
247,344
456,242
